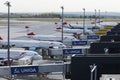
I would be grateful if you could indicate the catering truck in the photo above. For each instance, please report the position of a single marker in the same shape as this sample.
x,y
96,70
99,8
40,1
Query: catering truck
x,y
27,60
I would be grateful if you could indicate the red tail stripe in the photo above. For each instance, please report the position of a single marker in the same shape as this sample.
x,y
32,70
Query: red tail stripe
x,y
1,38
32,33
27,27
56,23
59,28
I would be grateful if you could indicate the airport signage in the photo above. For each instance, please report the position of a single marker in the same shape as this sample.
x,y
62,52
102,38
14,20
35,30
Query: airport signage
x,y
92,37
72,51
78,43
24,70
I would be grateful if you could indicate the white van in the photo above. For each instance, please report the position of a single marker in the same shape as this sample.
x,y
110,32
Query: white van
x,y
27,60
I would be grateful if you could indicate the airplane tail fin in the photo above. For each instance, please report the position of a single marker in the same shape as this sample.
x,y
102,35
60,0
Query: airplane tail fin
x,y
1,38
60,24
65,23
88,31
31,34
26,27
71,26
97,21
59,28
56,24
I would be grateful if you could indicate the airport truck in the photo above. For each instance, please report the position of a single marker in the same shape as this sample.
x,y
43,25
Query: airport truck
x,y
27,60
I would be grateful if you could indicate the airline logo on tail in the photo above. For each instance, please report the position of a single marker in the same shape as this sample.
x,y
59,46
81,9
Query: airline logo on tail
x,y
31,34
23,53
64,24
1,38
59,28
27,27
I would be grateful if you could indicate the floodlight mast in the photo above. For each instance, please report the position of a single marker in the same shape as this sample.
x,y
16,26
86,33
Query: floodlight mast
x,y
84,21
62,21
99,17
8,45
95,18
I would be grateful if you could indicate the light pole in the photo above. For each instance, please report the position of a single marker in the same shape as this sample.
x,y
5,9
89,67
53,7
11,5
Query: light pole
x,y
62,22
99,16
95,17
62,38
8,5
106,15
83,20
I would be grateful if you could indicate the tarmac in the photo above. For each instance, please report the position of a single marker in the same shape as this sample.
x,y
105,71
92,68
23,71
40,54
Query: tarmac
x,y
18,31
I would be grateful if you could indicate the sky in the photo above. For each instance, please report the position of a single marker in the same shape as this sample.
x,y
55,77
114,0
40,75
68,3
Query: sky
x,y
54,5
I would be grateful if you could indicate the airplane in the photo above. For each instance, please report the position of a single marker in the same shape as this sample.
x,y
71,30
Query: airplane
x,y
50,37
32,44
97,21
17,54
74,31
68,28
79,25
101,24
87,26
108,23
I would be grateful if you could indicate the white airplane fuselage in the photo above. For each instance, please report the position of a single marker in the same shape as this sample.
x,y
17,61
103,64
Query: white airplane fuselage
x,y
67,30
75,31
32,43
17,54
52,38
80,26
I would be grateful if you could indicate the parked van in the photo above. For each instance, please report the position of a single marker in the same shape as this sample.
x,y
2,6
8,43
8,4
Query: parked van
x,y
27,60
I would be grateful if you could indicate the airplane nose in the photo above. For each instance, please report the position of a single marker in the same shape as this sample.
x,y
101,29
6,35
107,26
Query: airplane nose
x,y
64,46
38,57
74,39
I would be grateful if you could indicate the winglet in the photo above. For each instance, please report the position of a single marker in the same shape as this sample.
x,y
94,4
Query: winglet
x,y
56,23
1,38
31,34
64,23
27,27
58,28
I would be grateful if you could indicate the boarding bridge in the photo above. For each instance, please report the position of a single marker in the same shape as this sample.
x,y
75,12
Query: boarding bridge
x,y
82,45
8,71
82,67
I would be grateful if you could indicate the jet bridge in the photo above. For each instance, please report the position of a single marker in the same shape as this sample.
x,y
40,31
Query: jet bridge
x,y
82,67
8,71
